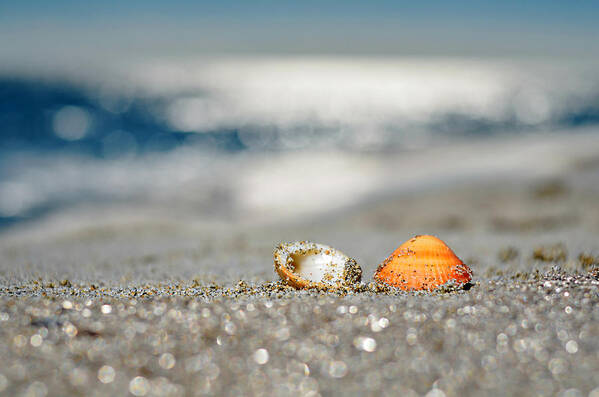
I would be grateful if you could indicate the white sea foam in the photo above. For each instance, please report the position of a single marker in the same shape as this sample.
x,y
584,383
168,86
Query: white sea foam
x,y
333,109
361,102
261,188
293,102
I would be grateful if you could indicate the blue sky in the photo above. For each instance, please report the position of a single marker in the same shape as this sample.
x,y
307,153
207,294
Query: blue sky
x,y
330,27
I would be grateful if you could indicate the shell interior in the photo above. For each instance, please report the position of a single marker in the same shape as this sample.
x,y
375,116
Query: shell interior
x,y
319,266
304,264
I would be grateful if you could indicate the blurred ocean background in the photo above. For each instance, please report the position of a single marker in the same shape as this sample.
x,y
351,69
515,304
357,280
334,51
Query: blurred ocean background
x,y
278,110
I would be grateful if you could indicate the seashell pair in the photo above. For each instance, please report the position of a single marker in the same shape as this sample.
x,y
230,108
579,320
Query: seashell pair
x,y
421,263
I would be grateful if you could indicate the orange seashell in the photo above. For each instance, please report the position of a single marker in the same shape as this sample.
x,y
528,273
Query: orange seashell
x,y
423,263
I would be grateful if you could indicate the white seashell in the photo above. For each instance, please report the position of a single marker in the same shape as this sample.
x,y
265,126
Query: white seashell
x,y
303,264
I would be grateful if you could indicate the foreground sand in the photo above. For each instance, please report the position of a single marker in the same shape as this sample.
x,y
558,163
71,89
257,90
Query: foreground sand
x,y
125,304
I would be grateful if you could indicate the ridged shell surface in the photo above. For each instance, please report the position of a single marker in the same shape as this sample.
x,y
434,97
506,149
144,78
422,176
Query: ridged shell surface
x,y
423,263
303,264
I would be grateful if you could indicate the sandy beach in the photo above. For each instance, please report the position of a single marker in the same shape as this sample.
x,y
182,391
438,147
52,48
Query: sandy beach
x,y
143,300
